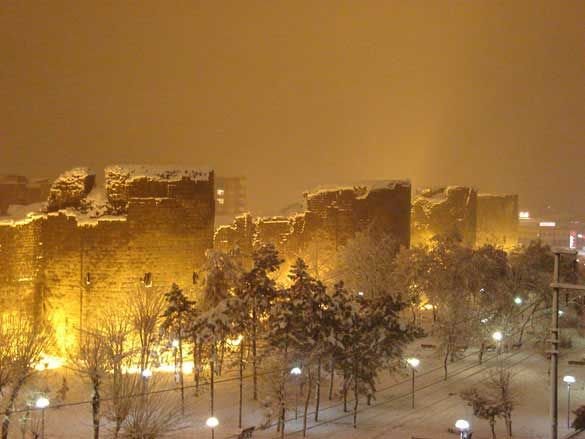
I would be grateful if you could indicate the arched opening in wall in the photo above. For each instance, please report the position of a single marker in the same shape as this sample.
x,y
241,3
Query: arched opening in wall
x,y
88,279
147,279
195,278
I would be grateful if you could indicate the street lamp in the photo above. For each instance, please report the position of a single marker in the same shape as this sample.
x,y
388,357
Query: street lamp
x,y
518,300
146,374
212,422
569,379
463,426
296,372
413,363
42,403
498,337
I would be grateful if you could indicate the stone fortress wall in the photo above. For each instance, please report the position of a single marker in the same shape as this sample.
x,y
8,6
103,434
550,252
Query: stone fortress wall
x,y
151,226
91,247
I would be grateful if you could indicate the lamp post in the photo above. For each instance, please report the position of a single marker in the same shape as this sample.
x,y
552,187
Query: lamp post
x,y
42,403
296,372
212,422
463,426
569,379
413,363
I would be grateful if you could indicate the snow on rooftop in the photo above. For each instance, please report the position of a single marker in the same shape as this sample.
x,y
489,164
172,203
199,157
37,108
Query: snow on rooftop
x,y
156,172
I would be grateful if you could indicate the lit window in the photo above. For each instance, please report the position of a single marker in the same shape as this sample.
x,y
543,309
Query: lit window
x,y
220,201
147,279
220,192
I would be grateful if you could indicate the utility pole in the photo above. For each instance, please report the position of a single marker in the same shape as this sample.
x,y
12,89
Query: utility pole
x,y
554,352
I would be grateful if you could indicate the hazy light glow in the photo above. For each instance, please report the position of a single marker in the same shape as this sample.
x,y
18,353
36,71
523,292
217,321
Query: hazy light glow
x,y
413,362
569,379
146,373
524,214
497,336
42,402
175,343
518,300
547,224
296,371
462,424
212,422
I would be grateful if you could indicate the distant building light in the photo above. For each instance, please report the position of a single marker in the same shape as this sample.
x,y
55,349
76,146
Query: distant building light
x,y
221,201
547,224
220,192
572,241
524,214
580,236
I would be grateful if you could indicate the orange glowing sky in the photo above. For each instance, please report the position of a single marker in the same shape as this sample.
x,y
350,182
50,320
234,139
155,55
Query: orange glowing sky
x,y
302,92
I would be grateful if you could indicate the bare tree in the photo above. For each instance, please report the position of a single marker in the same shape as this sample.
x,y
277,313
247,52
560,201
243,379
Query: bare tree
x,y
31,338
116,332
153,415
91,362
145,309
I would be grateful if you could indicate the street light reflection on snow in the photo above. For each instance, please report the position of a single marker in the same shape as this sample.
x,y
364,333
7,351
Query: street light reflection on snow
x,y
212,422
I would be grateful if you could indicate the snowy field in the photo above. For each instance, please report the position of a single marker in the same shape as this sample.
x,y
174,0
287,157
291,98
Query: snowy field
x,y
437,402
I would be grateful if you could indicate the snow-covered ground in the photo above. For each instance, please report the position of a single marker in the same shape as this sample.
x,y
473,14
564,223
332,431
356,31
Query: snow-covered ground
x,y
437,402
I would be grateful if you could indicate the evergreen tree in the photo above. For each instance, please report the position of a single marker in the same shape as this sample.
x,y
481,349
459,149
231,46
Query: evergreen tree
x,y
174,325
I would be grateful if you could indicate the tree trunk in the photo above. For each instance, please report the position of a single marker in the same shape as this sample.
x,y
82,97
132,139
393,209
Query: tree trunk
x,y
445,361
10,408
241,378
95,411
222,352
345,390
481,351
283,393
355,393
212,378
493,427
181,381
318,390
332,376
254,371
509,424
307,401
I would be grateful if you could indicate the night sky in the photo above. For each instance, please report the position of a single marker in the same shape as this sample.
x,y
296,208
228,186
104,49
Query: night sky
x,y
297,93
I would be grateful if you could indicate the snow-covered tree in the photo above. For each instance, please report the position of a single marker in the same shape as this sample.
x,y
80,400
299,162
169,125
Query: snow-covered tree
x,y
174,325
257,290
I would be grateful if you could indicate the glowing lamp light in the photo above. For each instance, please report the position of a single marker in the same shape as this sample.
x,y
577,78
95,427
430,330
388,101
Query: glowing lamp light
x,y
569,379
212,422
360,293
518,300
484,320
462,425
146,373
296,371
175,343
561,312
428,306
42,402
413,362
524,214
547,224
235,341
497,336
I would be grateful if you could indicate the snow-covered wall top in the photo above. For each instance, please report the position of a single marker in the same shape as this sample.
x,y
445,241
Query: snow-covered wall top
x,y
129,173
70,188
